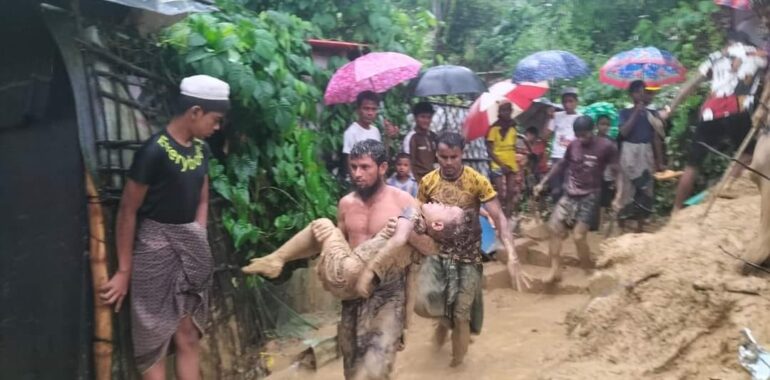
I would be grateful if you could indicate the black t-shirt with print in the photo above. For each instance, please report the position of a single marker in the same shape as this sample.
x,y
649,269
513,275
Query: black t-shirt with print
x,y
174,174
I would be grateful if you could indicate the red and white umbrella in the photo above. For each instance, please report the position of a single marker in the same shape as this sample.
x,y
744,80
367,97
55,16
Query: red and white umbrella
x,y
484,111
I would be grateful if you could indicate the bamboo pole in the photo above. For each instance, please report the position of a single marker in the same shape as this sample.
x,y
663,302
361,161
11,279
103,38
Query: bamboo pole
x,y
98,257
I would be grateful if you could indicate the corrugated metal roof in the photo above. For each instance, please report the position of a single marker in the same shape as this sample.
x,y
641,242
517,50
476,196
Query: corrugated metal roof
x,y
169,7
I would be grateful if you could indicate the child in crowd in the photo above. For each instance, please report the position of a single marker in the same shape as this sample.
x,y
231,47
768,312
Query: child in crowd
x,y
402,178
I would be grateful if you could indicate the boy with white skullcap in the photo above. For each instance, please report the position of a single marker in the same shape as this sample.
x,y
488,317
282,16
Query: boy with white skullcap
x,y
162,246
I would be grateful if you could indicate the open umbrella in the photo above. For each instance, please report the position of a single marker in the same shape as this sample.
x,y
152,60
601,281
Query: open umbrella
x,y
448,80
735,4
595,110
521,94
483,112
536,115
376,72
654,66
549,65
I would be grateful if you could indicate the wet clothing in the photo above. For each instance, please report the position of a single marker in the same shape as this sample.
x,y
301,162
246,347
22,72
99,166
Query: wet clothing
x,y
468,192
504,147
642,132
637,161
573,209
410,185
733,128
174,174
450,290
370,329
422,152
171,276
585,165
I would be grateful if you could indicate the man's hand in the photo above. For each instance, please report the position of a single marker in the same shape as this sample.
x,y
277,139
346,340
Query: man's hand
x,y
665,113
365,283
616,204
115,290
537,190
390,129
518,276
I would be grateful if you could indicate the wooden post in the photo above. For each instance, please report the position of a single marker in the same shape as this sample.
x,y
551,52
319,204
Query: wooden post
x,y
100,275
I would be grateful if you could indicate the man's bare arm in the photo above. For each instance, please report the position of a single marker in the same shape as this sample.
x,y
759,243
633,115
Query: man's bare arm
x,y
115,290
201,214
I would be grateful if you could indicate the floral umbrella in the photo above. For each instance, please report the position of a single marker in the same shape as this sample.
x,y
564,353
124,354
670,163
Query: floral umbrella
x,y
654,66
549,65
376,72
735,4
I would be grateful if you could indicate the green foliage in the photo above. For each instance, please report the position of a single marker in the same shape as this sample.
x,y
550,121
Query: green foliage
x,y
271,175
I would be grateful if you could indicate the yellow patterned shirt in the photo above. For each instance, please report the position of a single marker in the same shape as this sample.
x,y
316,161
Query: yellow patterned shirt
x,y
468,192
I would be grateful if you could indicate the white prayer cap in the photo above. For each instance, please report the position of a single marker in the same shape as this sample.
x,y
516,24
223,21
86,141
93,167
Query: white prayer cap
x,y
205,87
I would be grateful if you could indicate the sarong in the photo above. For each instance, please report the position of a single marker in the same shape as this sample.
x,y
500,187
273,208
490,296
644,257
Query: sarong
x,y
637,161
170,279
452,290
370,330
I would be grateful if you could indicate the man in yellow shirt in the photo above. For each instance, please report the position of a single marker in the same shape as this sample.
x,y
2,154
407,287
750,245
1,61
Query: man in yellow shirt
x,y
457,268
501,147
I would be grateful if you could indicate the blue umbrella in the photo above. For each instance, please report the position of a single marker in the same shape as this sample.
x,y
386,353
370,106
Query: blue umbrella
x,y
549,65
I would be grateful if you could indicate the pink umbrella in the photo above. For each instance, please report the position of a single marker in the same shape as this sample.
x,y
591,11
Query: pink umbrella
x,y
376,72
736,4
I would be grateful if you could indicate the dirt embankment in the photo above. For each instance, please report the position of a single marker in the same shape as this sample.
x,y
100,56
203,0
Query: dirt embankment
x,y
673,302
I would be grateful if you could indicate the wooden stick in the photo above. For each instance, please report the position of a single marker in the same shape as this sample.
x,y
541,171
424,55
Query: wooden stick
x,y
98,256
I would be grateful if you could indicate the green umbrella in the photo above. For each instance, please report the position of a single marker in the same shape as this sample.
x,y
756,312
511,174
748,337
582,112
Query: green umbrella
x,y
595,110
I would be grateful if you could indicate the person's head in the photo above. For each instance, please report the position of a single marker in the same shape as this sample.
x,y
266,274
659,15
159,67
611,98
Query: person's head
x,y
449,152
531,134
367,163
569,99
636,91
603,124
442,221
367,106
584,129
403,165
649,94
504,111
423,115
202,104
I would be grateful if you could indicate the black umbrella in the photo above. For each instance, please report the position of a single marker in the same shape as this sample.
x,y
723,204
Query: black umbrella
x,y
536,115
447,80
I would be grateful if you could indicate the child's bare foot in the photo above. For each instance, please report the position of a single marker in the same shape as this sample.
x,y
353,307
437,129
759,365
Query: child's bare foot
x,y
267,266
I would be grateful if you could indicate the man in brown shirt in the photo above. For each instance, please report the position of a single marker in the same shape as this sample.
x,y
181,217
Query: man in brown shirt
x,y
420,144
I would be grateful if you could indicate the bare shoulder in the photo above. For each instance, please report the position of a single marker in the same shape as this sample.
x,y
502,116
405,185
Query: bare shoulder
x,y
399,197
348,201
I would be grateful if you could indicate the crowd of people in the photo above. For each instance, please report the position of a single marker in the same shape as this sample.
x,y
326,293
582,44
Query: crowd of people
x,y
427,211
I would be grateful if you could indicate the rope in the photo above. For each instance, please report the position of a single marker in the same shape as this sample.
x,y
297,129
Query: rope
x,y
755,266
713,150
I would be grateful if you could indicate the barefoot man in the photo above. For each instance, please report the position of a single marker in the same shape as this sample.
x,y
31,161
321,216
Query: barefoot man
x,y
370,329
458,265
163,253
584,161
